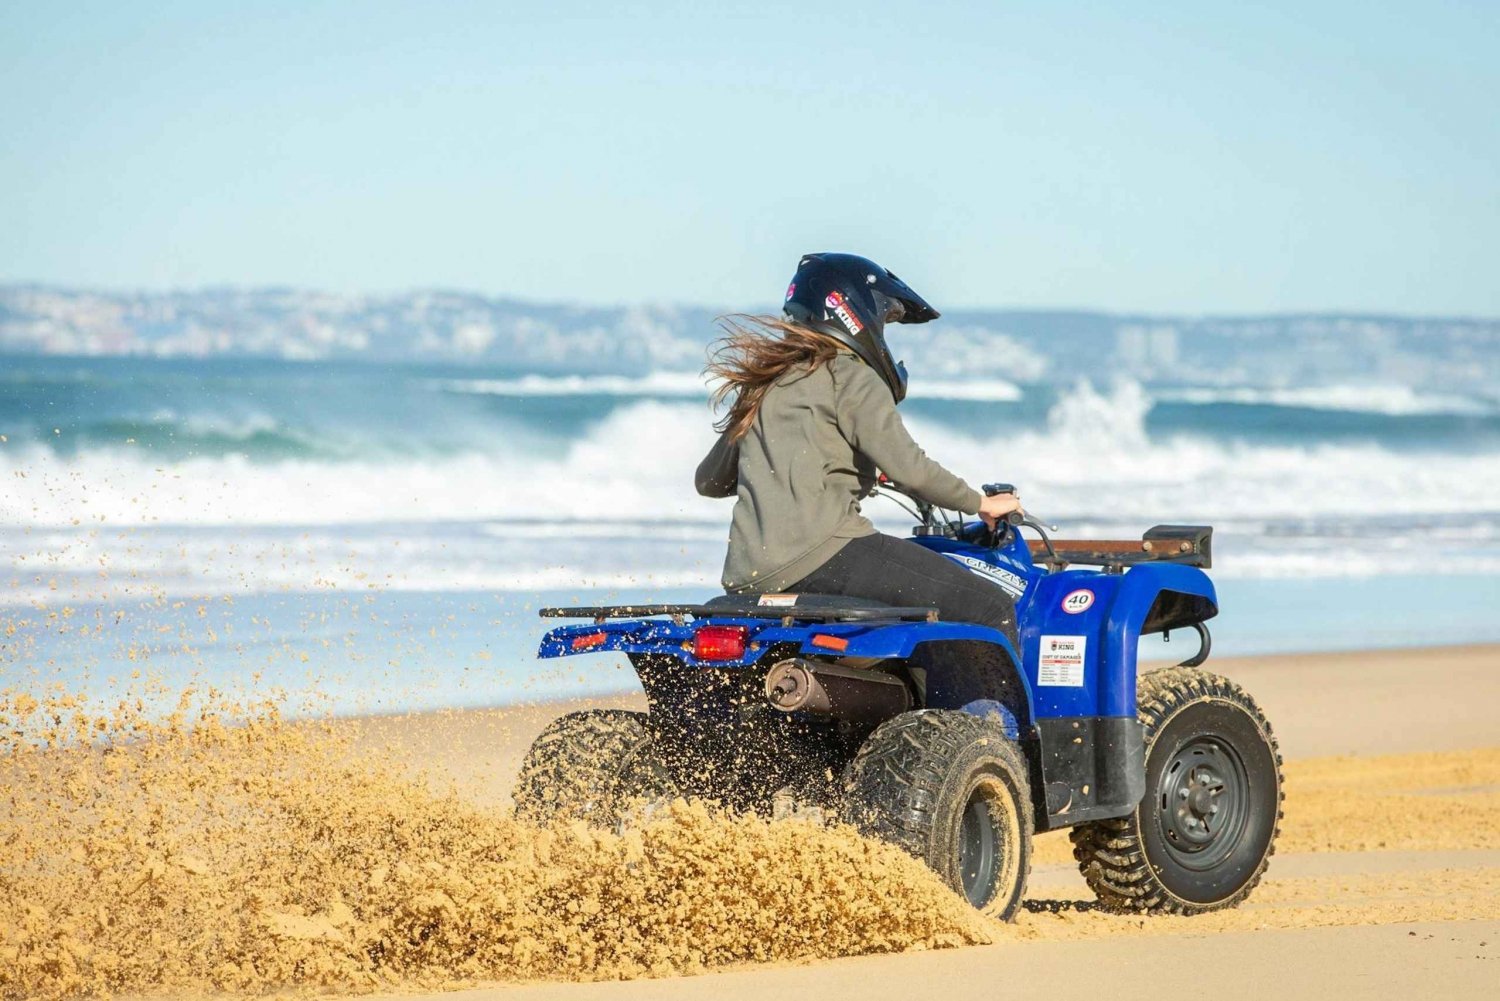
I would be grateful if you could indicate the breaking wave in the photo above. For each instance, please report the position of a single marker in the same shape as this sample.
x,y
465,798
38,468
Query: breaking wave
x,y
525,508
690,385
1094,456
980,390
656,384
1390,400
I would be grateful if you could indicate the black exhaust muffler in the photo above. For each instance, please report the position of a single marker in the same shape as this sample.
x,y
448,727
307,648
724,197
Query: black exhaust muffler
x,y
846,693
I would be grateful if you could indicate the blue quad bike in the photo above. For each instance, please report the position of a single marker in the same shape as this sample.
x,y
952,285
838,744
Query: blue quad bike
x,y
946,738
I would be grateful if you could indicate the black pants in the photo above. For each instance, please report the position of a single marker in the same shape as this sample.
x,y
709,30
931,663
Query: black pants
x,y
897,572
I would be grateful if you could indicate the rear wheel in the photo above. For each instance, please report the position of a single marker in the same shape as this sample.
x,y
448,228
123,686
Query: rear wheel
x,y
1203,835
589,766
951,789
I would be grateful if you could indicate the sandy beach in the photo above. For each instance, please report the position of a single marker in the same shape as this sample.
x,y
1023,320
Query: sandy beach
x,y
376,855
1386,882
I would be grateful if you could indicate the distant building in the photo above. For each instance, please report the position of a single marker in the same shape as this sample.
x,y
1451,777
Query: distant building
x,y
1142,350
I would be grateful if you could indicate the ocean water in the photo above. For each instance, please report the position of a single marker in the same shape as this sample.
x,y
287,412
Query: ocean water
x,y
383,533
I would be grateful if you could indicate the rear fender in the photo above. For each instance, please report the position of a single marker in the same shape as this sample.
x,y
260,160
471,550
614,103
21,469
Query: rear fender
x,y
969,667
987,672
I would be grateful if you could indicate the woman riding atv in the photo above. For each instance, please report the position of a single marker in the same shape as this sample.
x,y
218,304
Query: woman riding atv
x,y
811,418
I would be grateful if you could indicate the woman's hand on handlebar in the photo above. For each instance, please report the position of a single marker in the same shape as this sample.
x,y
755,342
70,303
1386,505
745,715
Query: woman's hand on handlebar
x,y
994,508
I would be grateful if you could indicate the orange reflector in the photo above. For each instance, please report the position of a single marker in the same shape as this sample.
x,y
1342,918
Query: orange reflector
x,y
589,640
831,642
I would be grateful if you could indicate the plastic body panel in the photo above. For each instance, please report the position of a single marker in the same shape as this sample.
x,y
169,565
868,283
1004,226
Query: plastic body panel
x,y
1110,625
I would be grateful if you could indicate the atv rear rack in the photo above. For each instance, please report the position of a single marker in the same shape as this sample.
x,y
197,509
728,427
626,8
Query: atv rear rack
x,y
1190,545
736,610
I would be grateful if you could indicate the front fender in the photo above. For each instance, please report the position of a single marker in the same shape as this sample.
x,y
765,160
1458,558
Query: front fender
x,y
1152,599
1091,654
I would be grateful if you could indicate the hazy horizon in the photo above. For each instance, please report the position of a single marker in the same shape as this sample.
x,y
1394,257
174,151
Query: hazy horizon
x,y
520,298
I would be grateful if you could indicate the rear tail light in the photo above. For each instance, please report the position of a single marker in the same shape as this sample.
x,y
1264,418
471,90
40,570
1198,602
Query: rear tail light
x,y
720,642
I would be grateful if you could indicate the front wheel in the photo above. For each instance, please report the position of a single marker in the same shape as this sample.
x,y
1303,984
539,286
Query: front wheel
x,y
951,789
1203,835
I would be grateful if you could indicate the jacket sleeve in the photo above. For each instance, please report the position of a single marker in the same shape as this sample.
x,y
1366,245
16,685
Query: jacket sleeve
x,y
868,420
719,473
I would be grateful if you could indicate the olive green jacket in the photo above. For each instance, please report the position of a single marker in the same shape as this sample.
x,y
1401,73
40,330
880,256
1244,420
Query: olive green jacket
x,y
801,470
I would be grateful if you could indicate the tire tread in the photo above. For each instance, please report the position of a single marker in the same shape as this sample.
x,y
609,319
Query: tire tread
x,y
1110,853
893,787
572,764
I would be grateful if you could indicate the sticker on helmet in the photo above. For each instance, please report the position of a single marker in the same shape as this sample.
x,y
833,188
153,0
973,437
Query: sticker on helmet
x,y
1078,601
791,290
840,306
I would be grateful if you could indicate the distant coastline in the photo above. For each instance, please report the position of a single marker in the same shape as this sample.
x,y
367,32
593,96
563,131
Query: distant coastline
x,y
460,328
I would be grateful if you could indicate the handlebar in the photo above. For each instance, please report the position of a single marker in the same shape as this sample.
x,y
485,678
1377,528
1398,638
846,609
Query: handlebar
x,y
1016,518
934,521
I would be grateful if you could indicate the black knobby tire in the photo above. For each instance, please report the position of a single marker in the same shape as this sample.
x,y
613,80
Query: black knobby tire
x,y
950,789
1204,834
588,766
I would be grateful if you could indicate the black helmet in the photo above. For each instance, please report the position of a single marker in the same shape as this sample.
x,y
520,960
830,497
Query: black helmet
x,y
853,298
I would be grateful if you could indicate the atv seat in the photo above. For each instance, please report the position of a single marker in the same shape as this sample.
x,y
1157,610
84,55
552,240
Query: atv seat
x,y
730,602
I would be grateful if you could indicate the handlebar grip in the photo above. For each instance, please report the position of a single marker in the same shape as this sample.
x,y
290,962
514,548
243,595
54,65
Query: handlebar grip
x,y
991,489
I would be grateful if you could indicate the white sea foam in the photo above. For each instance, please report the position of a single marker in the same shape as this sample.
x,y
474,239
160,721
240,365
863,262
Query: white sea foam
x,y
638,463
1094,457
1392,400
981,390
615,507
75,567
654,384
690,385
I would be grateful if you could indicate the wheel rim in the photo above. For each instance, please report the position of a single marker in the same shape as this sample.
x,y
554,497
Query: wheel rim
x,y
641,775
1204,795
979,844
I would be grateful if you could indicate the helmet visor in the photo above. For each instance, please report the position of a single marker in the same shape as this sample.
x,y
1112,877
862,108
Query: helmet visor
x,y
914,309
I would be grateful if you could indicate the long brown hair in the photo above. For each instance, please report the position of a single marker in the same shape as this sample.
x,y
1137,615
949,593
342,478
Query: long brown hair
x,y
754,352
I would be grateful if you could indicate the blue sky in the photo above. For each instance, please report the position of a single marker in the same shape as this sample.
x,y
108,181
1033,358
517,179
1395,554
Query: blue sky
x,y
1196,157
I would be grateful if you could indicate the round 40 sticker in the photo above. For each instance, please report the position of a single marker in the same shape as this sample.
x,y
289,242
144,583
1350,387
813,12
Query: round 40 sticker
x,y
1078,601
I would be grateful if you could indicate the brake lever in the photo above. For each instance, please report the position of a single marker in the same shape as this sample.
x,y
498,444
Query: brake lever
x,y
1041,530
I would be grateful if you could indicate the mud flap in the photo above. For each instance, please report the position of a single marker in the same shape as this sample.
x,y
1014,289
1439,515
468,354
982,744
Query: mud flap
x,y
1092,768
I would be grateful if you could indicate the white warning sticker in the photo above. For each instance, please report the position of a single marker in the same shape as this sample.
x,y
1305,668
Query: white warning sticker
x,y
1062,661
777,600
